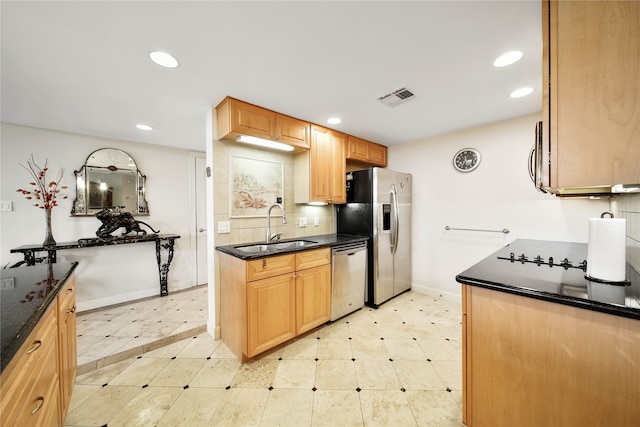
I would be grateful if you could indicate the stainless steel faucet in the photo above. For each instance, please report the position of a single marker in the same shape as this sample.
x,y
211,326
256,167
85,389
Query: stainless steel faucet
x,y
284,221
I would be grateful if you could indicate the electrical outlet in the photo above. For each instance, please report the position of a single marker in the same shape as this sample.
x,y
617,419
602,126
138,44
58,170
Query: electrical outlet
x,y
6,206
7,283
302,222
224,227
316,221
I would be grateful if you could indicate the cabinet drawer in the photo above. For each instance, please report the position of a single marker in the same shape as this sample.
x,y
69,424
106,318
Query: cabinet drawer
x,y
29,380
67,297
313,258
270,266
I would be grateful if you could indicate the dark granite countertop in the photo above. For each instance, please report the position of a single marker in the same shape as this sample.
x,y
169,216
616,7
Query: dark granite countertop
x,y
27,292
319,241
558,284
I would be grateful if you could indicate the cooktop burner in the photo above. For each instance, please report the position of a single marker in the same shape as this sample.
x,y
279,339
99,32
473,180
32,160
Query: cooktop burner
x,y
538,260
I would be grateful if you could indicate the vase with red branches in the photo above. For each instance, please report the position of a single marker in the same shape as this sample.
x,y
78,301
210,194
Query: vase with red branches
x,y
44,193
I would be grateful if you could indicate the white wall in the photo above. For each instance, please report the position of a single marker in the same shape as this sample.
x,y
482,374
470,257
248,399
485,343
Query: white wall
x,y
498,194
105,275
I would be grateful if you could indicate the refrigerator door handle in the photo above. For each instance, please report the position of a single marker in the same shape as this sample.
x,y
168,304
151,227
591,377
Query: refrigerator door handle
x,y
395,225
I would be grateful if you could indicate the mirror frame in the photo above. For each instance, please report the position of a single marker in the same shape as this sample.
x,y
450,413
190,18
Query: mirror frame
x,y
80,205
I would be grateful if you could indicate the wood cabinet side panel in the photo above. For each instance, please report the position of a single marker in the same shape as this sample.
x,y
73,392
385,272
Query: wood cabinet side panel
x,y
527,354
233,303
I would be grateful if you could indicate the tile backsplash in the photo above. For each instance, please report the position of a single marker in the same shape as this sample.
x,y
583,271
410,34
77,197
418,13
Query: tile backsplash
x,y
244,230
628,206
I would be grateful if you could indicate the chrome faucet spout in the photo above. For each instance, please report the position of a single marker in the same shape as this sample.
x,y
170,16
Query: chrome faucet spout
x,y
284,220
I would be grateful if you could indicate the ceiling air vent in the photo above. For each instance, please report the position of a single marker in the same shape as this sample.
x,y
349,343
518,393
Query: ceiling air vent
x,y
396,97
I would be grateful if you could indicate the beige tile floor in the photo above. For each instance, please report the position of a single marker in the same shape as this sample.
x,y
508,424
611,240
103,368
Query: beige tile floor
x,y
399,365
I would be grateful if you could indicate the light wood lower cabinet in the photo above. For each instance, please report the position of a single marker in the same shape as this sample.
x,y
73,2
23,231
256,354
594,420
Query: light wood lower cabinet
x,y
67,339
30,394
528,362
37,383
267,301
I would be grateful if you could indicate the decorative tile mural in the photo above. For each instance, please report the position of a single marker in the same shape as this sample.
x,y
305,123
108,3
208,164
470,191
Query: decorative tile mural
x,y
255,185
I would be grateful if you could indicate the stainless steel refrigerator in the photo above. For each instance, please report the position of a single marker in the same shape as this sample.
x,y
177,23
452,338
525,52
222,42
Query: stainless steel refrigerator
x,y
379,206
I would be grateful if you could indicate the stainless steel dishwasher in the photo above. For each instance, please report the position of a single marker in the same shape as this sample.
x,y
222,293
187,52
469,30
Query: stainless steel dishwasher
x,y
348,278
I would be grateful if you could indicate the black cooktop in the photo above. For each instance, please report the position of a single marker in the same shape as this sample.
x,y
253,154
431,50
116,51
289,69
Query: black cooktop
x,y
554,271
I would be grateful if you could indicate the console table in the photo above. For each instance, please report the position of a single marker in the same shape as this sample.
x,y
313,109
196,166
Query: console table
x,y
164,251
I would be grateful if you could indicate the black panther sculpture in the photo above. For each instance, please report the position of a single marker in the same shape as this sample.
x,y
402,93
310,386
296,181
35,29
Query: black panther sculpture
x,y
111,222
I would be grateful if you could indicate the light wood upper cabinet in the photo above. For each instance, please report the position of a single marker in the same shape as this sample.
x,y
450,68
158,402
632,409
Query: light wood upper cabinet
x,y
591,93
362,151
320,172
236,118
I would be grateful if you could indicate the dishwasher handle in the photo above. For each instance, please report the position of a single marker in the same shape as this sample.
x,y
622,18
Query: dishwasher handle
x,y
349,249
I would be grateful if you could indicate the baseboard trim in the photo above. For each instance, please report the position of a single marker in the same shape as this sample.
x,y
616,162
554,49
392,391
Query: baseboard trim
x,y
437,293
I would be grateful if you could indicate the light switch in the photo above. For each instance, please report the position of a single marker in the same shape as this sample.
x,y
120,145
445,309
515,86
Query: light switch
x,y
6,206
302,221
224,227
316,221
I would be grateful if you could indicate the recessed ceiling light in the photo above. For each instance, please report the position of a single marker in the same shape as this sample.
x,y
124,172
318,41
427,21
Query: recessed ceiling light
x,y
334,120
519,93
163,59
507,58
144,127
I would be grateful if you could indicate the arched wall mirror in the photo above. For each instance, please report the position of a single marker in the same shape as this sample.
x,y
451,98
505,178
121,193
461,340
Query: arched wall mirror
x,y
109,179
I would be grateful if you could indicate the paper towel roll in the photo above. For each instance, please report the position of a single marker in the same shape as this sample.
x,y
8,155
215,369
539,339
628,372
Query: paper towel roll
x,y
606,252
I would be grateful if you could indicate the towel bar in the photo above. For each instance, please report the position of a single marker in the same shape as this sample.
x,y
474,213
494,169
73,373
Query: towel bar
x,y
504,230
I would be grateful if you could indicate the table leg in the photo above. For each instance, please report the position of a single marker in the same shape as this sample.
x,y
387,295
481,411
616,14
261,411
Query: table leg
x,y
163,267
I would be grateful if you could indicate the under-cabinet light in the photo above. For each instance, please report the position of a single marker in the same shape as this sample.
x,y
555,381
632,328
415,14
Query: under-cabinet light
x,y
264,143
317,204
625,188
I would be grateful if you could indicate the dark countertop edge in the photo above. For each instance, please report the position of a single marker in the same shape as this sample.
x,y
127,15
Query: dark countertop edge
x,y
324,240
30,324
616,310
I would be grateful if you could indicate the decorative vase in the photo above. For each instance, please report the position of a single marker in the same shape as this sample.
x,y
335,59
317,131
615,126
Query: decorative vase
x,y
48,240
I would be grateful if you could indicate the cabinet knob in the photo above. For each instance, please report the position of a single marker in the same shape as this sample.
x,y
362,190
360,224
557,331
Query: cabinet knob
x,y
72,309
69,291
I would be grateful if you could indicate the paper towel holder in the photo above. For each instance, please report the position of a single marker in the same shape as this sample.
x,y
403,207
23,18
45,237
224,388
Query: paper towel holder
x,y
606,213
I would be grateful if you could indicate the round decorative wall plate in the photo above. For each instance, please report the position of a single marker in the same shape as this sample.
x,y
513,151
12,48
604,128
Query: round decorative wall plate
x,y
466,160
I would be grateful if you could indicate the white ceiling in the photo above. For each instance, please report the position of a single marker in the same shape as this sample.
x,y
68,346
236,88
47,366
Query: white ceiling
x,y
83,67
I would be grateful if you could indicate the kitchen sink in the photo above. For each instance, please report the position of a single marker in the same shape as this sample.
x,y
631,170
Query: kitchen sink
x,y
260,248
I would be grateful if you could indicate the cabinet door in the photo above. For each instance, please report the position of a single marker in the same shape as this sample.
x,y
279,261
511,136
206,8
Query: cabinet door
x,y
337,171
358,149
313,298
591,98
321,163
292,131
67,342
251,120
270,312
378,155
